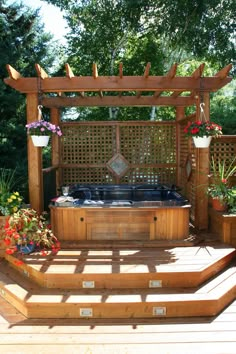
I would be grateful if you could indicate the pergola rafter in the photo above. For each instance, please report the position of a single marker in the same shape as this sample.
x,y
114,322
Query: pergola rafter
x,y
182,89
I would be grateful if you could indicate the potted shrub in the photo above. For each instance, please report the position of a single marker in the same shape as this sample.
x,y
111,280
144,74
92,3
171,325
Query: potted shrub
x,y
219,187
40,132
202,132
27,230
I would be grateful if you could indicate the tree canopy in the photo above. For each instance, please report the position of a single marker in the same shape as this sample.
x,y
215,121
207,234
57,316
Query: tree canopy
x,y
23,42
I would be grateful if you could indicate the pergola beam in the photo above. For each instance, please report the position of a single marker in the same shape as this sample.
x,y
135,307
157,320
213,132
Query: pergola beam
x,y
116,101
114,83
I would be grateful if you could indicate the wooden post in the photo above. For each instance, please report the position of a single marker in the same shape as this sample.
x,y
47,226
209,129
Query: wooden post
x,y
202,172
55,119
180,113
34,158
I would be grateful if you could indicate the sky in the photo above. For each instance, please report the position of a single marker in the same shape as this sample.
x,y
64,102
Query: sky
x,y
51,16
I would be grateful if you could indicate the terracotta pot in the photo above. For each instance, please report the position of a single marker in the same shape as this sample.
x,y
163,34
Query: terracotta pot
x,y
218,204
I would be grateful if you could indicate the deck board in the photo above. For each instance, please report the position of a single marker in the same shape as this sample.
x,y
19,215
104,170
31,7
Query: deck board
x,y
20,335
212,335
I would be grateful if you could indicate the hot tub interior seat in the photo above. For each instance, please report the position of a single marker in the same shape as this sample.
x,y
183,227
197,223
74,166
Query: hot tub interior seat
x,y
129,194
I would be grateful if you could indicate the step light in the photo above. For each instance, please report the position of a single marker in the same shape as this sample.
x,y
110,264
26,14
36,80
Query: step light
x,y
155,283
26,273
86,312
88,284
159,311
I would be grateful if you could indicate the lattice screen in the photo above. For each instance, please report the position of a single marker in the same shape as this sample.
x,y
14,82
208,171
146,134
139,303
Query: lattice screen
x,y
145,150
223,148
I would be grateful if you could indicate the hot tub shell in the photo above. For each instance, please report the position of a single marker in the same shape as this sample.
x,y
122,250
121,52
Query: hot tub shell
x,y
127,213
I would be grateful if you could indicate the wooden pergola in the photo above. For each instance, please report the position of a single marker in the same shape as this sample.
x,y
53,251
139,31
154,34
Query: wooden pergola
x,y
115,91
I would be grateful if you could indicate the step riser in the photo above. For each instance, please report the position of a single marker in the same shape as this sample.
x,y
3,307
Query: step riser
x,y
122,280
37,290
127,310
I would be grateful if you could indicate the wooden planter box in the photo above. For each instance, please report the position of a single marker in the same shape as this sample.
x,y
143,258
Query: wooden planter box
x,y
3,220
224,225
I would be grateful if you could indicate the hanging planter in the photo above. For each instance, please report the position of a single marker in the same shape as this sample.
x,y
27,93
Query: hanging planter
x,y
40,140
202,131
202,142
41,130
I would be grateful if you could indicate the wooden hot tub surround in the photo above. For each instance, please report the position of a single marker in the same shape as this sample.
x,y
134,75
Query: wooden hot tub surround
x,y
120,223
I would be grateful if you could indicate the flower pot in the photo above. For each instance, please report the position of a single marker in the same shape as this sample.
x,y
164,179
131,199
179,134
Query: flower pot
x,y
27,249
218,204
40,140
202,142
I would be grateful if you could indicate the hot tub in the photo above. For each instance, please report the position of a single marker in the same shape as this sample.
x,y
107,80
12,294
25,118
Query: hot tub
x,y
122,212
130,195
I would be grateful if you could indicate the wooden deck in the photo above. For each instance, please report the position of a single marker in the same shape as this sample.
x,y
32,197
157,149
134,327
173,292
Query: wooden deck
x,y
19,335
196,285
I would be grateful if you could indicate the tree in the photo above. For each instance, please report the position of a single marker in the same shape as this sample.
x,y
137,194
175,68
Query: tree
x,y
138,31
23,42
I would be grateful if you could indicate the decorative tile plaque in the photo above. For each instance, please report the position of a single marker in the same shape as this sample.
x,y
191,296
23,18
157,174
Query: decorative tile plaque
x,y
118,165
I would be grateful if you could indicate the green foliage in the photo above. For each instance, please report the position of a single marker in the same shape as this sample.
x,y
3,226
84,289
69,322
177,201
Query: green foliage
x,y
10,200
23,43
221,171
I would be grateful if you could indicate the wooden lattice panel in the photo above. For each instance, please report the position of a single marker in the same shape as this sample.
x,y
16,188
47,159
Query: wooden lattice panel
x,y
148,144
86,176
223,148
151,176
88,152
85,144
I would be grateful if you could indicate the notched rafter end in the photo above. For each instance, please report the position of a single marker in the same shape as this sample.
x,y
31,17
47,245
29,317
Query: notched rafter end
x,y
15,75
95,71
69,72
41,72
223,73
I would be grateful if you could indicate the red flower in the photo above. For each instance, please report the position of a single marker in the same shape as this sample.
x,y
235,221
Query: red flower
x,y
7,241
18,262
10,251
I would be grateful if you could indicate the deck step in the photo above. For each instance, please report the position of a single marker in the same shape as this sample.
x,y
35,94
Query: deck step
x,y
36,302
125,268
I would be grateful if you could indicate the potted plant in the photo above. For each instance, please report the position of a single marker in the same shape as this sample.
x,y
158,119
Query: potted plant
x,y
202,132
219,187
26,230
41,130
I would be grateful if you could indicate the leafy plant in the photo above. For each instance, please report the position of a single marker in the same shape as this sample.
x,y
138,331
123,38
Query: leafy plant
x,y
220,185
231,200
10,200
26,227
